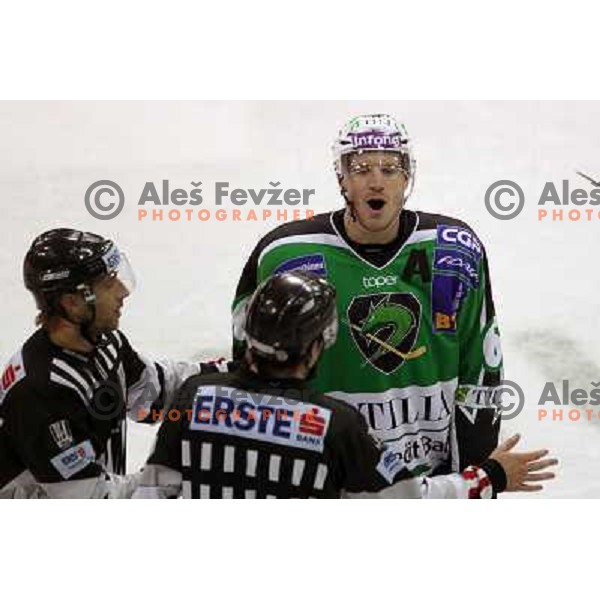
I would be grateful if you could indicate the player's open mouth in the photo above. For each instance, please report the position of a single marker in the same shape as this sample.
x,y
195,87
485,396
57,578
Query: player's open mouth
x,y
376,204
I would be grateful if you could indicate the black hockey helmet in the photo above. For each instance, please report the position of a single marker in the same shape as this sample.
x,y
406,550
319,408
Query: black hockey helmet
x,y
287,313
65,260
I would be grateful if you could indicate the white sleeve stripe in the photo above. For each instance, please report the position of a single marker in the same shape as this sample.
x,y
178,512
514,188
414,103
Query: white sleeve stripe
x,y
111,350
119,338
206,456
107,361
274,467
320,477
229,459
297,471
251,460
186,460
58,379
86,385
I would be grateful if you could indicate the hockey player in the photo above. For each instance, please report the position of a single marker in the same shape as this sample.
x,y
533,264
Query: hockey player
x,y
262,433
418,326
64,394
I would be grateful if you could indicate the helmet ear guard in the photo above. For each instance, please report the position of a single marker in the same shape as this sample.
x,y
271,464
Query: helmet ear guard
x,y
88,294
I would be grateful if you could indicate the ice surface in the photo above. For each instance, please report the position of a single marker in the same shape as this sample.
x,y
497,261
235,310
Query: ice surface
x,y
544,273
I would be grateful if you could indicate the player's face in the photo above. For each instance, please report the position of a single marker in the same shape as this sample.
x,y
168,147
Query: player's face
x,y
110,294
375,183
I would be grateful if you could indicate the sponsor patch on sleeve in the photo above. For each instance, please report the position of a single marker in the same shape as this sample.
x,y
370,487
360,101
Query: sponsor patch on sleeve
x,y
459,237
447,292
233,412
456,263
389,465
13,373
464,266
313,263
74,460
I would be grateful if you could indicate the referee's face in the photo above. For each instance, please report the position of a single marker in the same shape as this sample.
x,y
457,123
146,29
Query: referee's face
x,y
110,294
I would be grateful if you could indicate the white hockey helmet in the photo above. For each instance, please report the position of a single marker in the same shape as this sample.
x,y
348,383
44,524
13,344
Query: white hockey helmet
x,y
375,132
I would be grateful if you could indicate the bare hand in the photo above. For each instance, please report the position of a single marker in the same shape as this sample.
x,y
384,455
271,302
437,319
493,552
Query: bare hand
x,y
523,467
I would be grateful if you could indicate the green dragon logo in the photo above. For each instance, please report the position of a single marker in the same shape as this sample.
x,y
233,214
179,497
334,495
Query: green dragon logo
x,y
385,327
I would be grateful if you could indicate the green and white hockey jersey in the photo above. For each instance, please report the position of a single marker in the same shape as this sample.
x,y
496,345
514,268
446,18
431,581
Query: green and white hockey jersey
x,y
417,331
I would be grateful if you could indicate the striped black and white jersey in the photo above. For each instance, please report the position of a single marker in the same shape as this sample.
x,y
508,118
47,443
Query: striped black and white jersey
x,y
62,414
235,435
